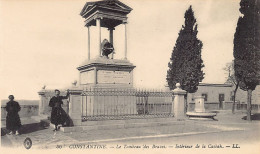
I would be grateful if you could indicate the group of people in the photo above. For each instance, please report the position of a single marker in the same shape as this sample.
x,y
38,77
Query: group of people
x,y
58,115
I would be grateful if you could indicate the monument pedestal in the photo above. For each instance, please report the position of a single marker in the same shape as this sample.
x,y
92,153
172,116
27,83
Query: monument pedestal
x,y
199,104
199,111
100,76
106,73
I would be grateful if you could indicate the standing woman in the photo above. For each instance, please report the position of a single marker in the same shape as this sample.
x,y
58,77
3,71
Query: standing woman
x,y
57,116
13,122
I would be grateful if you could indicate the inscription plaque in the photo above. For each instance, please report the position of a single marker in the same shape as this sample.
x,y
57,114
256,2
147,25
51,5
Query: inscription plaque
x,y
87,77
122,77
113,77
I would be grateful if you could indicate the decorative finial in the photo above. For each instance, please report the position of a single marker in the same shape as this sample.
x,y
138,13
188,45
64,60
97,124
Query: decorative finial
x,y
44,86
178,85
74,83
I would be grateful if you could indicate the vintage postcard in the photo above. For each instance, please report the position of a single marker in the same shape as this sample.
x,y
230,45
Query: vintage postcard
x,y
130,76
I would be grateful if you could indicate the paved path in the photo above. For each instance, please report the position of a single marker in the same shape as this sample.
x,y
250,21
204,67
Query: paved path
x,y
228,129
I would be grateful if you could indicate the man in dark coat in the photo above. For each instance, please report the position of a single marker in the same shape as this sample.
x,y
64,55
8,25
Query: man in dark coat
x,y
57,114
13,122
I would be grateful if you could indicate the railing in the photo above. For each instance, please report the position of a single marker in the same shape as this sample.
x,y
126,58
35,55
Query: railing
x,y
100,104
244,106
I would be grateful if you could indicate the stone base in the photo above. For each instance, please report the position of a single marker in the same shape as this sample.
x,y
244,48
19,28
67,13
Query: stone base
x,y
201,115
103,72
120,124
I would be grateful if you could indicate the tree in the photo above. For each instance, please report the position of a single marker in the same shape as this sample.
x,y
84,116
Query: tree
x,y
247,48
185,66
231,79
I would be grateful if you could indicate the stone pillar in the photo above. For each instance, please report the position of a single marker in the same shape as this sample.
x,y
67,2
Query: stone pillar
x,y
178,103
125,25
88,42
75,106
199,104
111,39
41,101
95,75
99,35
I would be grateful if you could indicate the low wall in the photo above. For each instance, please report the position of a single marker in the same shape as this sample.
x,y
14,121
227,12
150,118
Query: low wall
x,y
26,111
255,107
45,97
208,106
226,106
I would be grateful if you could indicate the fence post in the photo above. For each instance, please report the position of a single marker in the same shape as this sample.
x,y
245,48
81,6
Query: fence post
x,y
178,103
41,102
75,106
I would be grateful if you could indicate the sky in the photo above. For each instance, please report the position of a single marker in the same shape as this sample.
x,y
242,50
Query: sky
x,y
42,42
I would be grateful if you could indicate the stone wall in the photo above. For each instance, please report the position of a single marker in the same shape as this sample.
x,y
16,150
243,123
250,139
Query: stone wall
x,y
46,95
208,106
211,106
26,111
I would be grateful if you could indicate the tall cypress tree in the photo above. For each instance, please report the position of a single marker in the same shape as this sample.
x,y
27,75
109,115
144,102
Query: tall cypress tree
x,y
185,66
247,48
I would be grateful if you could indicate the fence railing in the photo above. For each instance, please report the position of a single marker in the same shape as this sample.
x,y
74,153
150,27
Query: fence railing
x,y
244,106
98,104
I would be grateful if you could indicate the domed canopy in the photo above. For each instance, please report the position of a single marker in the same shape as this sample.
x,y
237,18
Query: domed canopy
x,y
111,12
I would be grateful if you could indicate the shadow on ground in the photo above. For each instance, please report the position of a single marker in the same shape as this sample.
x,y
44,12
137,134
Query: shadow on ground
x,y
253,117
26,129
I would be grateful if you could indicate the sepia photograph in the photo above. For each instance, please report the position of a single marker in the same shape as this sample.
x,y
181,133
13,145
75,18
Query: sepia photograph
x,y
130,76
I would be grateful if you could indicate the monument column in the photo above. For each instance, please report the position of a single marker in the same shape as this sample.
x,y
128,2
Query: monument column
x,y
99,36
111,39
88,42
125,25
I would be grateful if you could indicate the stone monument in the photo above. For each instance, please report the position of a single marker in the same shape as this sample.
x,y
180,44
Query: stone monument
x,y
199,112
100,73
104,71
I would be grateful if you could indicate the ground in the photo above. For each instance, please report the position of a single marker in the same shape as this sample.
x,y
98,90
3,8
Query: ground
x,y
229,132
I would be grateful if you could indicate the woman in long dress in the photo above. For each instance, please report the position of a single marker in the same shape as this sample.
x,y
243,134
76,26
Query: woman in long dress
x,y
13,122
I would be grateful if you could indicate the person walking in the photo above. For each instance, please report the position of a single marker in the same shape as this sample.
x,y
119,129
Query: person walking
x,y
13,122
57,115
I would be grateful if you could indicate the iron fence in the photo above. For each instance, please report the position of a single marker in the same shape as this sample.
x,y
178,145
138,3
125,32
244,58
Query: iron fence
x,y
100,104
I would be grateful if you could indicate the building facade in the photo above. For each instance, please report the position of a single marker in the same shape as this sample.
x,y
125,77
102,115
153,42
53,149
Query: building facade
x,y
221,96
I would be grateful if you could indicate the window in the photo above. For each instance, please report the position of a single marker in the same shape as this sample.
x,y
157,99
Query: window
x,y
221,97
232,96
205,96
